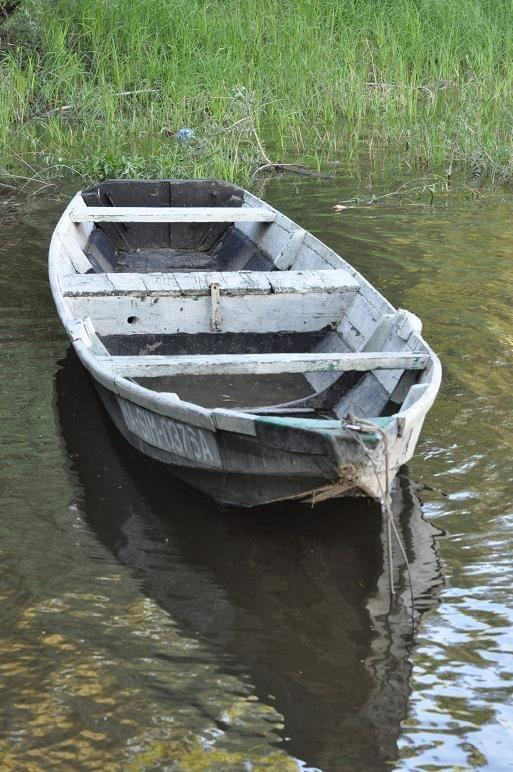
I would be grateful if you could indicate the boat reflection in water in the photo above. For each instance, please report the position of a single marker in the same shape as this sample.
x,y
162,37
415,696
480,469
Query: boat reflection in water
x,y
297,599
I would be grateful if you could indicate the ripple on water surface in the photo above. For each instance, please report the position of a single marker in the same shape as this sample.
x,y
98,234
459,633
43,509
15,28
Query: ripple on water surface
x,y
142,629
452,266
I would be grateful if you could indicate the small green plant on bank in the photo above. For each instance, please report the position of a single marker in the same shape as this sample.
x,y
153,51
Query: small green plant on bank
x,y
99,89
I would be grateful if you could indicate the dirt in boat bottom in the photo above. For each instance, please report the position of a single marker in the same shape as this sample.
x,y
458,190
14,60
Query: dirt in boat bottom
x,y
233,391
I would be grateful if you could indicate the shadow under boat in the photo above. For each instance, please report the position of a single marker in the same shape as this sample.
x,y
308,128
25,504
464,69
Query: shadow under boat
x,y
296,598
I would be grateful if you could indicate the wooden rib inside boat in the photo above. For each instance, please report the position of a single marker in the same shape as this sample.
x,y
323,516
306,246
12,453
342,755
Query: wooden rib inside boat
x,y
230,344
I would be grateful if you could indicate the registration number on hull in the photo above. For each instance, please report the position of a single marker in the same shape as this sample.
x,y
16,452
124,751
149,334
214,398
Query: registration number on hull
x,y
177,438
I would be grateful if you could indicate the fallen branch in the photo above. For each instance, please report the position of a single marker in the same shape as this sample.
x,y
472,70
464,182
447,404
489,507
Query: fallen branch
x,y
433,184
293,169
67,108
430,87
55,111
137,91
286,168
27,180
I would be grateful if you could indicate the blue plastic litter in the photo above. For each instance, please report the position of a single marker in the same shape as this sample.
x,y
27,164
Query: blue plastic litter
x,y
183,135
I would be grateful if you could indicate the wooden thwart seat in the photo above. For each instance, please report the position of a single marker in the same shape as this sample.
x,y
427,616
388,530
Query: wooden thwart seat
x,y
181,214
240,364
220,301
199,283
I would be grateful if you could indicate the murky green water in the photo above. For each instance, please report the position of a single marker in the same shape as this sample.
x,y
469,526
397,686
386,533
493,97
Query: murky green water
x,y
143,629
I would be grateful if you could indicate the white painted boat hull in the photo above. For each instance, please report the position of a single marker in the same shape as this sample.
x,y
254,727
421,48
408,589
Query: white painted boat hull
x,y
240,456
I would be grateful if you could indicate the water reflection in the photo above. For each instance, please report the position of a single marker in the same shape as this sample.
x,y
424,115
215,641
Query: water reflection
x,y
297,600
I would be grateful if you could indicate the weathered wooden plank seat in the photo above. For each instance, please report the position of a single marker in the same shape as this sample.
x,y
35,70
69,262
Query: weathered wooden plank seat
x,y
260,301
166,214
231,364
231,283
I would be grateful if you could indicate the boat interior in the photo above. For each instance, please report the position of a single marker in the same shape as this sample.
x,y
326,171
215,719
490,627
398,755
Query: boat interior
x,y
266,309
155,247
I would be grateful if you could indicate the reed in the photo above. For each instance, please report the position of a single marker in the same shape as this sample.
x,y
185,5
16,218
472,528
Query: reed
x,y
98,88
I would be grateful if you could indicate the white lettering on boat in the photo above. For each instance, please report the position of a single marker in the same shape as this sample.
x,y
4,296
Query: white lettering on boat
x,y
178,438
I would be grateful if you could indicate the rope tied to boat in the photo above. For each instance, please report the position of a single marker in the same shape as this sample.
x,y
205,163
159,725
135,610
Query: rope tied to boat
x,y
356,427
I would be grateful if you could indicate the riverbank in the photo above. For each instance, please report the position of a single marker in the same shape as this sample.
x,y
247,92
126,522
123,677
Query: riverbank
x,y
99,89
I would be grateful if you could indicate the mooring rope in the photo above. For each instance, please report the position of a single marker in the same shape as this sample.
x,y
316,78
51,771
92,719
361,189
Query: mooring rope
x,y
357,426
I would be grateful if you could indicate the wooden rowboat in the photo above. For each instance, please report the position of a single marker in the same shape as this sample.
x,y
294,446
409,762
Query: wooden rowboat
x,y
236,348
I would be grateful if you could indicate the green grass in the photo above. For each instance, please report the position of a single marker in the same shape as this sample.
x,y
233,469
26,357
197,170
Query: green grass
x,y
431,80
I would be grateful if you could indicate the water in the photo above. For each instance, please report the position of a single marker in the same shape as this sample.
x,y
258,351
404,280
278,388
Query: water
x,y
144,629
